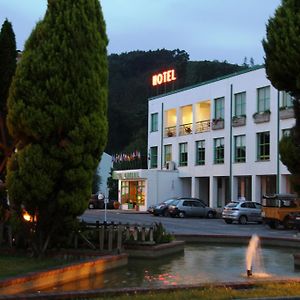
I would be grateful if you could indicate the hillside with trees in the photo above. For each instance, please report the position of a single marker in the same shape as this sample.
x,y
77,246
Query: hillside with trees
x,y
130,88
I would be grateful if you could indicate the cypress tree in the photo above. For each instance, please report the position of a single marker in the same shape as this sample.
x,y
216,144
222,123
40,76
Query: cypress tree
x,y
8,63
8,56
57,110
282,61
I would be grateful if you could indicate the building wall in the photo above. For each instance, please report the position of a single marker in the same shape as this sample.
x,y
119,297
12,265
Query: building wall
x,y
103,171
247,82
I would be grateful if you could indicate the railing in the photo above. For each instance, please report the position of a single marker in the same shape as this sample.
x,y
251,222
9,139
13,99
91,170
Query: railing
x,y
203,126
186,129
170,131
110,237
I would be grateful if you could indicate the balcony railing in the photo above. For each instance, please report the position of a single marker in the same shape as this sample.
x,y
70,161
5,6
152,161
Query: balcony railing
x,y
202,126
186,129
170,131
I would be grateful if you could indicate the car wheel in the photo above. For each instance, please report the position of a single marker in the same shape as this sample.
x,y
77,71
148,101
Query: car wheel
x,y
273,224
243,220
181,214
91,206
287,224
166,213
210,215
228,221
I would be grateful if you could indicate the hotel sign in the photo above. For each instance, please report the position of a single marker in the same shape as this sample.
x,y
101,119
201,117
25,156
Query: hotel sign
x,y
127,175
164,77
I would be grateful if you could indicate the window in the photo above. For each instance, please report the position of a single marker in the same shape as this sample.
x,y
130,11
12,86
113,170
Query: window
x,y
240,104
183,154
219,108
219,151
154,122
200,152
168,153
240,148
263,99
263,146
286,100
153,157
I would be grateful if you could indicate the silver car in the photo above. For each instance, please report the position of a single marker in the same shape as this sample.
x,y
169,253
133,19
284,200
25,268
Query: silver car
x,y
242,212
190,207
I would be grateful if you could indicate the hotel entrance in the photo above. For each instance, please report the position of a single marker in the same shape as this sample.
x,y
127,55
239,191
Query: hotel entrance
x,y
133,193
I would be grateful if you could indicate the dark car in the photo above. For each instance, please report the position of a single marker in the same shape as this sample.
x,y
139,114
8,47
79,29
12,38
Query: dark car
x,y
162,208
190,207
96,203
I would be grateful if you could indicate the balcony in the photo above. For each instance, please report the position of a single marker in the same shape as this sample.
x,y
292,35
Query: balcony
x,y
286,112
217,124
170,131
238,121
202,126
262,117
185,129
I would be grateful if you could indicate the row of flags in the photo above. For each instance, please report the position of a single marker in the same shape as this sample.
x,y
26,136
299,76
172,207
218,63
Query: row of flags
x,y
135,155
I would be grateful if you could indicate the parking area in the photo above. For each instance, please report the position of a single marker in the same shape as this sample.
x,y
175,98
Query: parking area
x,y
187,225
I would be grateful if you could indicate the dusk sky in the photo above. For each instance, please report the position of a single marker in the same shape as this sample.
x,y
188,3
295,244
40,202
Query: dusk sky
x,y
207,29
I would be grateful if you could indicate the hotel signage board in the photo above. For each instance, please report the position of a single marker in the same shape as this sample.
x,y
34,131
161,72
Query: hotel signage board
x,y
164,77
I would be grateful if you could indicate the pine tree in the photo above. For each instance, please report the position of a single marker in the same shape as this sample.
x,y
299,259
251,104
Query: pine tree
x,y
57,110
282,61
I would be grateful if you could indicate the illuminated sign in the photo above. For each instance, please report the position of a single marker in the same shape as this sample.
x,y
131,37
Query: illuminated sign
x,y
163,77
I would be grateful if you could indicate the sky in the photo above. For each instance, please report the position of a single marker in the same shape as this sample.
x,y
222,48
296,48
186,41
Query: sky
x,y
206,29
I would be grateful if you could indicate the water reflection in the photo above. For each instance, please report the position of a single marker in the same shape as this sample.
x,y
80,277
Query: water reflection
x,y
198,264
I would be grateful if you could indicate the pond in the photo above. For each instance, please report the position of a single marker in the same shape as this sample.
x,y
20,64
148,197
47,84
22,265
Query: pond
x,y
198,264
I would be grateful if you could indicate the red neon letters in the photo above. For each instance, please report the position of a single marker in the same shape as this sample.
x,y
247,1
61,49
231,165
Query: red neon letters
x,y
164,77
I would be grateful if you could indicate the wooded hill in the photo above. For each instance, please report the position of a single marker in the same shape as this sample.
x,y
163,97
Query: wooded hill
x,y
130,87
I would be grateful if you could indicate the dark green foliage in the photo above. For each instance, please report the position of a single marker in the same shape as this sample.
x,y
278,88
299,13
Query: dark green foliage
x,y
282,62
57,111
8,63
112,186
160,235
290,156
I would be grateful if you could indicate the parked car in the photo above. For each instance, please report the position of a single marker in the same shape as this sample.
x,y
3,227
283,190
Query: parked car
x,y
96,203
190,207
242,212
162,208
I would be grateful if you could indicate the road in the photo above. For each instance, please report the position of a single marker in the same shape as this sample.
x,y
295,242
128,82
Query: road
x,y
187,225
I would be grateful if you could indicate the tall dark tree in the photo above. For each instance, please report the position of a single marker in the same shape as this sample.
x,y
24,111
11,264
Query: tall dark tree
x,y
282,60
8,63
57,110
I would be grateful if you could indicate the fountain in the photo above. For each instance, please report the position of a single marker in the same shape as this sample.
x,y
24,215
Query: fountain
x,y
254,258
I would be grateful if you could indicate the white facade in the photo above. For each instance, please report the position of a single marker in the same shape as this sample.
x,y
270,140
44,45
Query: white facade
x,y
188,116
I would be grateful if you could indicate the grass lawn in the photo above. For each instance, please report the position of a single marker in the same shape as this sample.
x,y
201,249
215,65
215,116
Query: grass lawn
x,y
18,265
218,293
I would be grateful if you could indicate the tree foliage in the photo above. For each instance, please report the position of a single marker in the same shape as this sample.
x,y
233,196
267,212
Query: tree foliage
x,y
282,60
8,63
8,56
57,111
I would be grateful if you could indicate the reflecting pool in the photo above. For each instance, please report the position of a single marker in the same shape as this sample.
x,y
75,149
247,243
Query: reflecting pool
x,y
198,264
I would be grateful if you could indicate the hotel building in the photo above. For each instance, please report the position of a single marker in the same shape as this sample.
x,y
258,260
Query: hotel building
x,y
217,141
